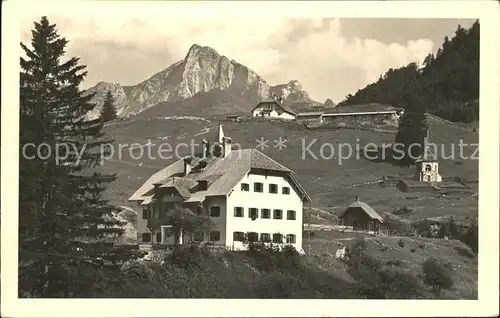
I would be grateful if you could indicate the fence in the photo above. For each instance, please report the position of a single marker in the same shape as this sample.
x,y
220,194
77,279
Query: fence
x,y
327,227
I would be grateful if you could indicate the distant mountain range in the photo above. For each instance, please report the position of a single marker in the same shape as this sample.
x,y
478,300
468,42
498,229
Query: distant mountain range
x,y
203,83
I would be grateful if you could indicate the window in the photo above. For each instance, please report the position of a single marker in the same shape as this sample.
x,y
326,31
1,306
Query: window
x,y
290,239
238,212
277,214
253,237
199,236
146,213
214,236
265,213
290,215
265,237
253,213
215,211
277,238
245,187
258,187
146,237
273,188
428,168
238,236
158,237
285,190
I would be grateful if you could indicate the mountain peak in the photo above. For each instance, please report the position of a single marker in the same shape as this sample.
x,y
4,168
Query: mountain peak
x,y
197,50
294,83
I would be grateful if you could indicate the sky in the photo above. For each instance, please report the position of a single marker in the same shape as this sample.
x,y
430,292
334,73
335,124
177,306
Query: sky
x,y
330,57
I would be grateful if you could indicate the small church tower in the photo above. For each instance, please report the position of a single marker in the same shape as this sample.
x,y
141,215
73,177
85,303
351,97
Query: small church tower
x,y
427,166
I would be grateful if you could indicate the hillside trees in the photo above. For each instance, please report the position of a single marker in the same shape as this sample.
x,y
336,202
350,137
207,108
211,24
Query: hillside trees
x,y
183,222
412,130
63,219
108,111
448,80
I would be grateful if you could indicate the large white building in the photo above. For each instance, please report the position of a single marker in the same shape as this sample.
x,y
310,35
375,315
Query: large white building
x,y
246,195
272,108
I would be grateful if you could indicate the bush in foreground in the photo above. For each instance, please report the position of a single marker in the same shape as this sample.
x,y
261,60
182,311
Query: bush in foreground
x,y
437,276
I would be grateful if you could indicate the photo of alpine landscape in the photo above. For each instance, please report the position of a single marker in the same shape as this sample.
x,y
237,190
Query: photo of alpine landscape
x,y
306,158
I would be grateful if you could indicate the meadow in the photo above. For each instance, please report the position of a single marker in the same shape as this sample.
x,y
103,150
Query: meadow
x,y
332,182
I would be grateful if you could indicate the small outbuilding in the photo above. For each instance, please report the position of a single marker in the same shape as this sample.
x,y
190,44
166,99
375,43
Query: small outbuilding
x,y
362,217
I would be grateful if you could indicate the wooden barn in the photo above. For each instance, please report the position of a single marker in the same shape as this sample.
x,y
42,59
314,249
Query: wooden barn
x,y
361,217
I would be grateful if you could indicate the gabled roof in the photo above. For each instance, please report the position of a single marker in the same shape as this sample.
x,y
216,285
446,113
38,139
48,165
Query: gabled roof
x,y
175,167
222,174
366,208
286,109
182,185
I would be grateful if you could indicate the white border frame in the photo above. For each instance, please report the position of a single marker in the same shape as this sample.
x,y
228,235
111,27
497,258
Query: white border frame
x,y
486,305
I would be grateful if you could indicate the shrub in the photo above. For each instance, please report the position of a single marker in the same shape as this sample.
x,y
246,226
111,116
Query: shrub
x,y
398,227
413,250
402,211
358,247
470,237
384,248
401,243
437,276
188,256
397,284
394,263
422,246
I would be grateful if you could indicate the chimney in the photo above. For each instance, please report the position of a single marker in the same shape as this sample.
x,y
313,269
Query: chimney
x,y
220,134
205,148
187,165
357,198
226,146
281,99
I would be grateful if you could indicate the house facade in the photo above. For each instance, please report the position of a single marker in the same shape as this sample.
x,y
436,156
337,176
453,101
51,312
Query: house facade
x,y
271,108
246,195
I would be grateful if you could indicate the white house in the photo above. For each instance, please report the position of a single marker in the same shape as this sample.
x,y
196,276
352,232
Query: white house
x,y
244,192
271,108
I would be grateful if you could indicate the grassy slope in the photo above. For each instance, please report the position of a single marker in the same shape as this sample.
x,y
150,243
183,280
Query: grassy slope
x,y
331,185
415,251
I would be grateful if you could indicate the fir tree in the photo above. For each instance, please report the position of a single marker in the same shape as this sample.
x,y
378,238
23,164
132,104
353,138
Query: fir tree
x,y
411,132
63,219
108,111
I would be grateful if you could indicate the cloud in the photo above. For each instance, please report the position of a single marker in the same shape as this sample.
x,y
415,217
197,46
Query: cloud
x,y
128,48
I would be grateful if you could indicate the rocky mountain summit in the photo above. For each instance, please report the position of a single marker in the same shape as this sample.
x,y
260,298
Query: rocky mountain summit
x,y
202,73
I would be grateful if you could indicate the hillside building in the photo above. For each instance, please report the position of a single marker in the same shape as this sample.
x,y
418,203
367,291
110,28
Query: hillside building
x,y
272,108
362,217
245,194
427,166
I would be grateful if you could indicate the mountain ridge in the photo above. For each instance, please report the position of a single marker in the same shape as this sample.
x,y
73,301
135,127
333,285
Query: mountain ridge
x,y
203,72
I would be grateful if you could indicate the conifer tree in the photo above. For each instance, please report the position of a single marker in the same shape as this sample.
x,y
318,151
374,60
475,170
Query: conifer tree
x,y
63,220
108,111
411,131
